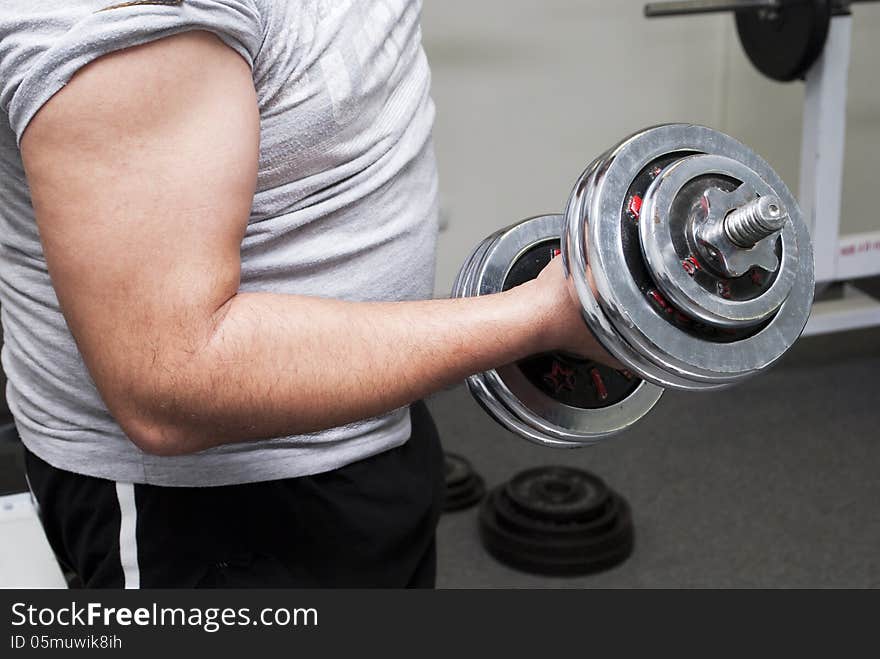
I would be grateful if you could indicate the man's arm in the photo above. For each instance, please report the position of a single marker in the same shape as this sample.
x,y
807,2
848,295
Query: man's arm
x,y
142,173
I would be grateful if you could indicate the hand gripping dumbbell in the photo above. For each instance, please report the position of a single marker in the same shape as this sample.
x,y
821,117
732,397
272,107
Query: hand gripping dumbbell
x,y
702,273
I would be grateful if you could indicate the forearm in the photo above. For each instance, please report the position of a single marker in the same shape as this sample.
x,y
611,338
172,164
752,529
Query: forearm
x,y
275,365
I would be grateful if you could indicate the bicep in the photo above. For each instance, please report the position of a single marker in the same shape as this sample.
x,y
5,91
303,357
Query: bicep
x,y
142,173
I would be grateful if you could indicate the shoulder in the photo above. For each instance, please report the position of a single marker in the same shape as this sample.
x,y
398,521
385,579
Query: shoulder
x,y
43,44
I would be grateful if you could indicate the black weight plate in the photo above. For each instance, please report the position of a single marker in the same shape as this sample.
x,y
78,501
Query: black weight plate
x,y
784,43
542,563
562,567
557,493
465,494
581,383
472,482
465,499
572,547
530,263
464,487
457,469
511,519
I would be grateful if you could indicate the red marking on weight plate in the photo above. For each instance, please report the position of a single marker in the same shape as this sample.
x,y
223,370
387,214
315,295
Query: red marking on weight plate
x,y
556,252
660,300
756,277
724,289
635,205
704,203
598,384
691,265
626,373
560,377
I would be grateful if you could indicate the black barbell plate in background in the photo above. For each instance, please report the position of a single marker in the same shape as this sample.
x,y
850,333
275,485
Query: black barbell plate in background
x,y
580,546
562,567
513,520
457,468
785,47
556,521
466,497
464,487
557,493
553,559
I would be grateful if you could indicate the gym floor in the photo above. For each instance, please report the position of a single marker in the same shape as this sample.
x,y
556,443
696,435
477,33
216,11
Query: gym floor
x,y
771,484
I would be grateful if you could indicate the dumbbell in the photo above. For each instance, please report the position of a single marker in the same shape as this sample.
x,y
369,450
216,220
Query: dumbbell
x,y
702,276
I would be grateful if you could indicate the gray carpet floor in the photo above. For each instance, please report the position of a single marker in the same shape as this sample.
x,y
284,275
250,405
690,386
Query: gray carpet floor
x,y
774,483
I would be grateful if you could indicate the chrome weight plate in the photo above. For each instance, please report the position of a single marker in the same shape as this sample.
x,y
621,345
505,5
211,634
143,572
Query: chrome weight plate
x,y
683,196
462,280
644,311
552,399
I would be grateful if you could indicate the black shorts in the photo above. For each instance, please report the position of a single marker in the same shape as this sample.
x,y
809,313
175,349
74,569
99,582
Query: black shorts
x,y
368,524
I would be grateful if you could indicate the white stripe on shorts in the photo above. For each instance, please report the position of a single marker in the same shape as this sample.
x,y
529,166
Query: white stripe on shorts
x,y
128,554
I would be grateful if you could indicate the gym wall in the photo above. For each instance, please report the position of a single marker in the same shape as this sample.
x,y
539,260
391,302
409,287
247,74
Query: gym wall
x,y
528,92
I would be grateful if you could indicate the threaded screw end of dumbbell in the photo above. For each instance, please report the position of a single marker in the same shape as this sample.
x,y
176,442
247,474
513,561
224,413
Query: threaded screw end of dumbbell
x,y
754,221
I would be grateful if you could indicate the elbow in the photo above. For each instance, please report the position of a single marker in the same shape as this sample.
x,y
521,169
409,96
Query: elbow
x,y
155,437
151,413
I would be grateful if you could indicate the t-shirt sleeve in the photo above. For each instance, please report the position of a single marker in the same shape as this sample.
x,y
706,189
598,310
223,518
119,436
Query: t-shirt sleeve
x,y
43,51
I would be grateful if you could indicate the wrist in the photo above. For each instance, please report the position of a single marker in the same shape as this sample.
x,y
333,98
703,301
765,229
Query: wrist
x,y
535,310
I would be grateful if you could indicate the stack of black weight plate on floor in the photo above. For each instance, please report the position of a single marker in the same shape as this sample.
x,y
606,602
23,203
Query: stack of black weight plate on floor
x,y
557,521
464,486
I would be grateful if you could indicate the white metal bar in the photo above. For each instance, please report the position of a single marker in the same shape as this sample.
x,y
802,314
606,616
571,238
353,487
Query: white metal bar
x,y
854,310
822,146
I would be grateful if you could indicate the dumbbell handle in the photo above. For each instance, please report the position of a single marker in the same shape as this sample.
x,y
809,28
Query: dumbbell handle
x,y
686,7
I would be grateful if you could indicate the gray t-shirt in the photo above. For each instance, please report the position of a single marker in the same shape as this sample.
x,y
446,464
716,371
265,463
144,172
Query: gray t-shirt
x,y
345,205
